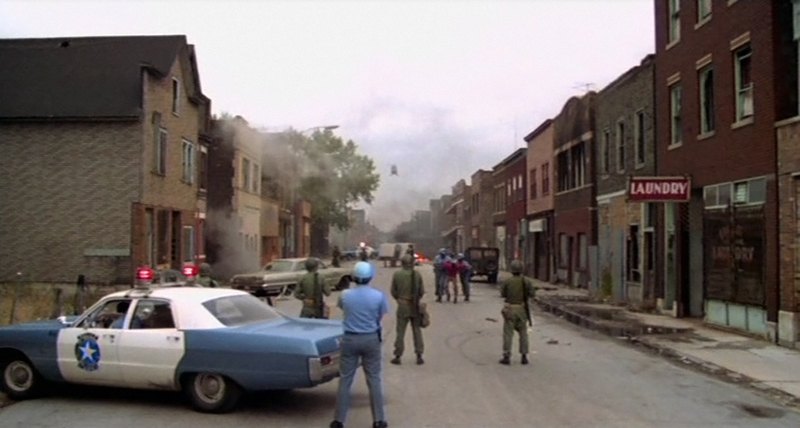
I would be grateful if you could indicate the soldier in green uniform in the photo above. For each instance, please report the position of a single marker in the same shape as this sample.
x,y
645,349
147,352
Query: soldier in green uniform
x,y
311,290
336,256
204,279
407,289
517,292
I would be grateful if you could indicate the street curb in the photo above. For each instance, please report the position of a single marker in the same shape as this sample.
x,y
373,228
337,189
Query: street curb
x,y
707,367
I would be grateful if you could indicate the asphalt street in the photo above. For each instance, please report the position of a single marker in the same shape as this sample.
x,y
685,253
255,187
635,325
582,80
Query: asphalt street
x,y
577,378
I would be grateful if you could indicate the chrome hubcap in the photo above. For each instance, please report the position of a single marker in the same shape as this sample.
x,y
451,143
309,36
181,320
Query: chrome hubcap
x,y
19,376
210,387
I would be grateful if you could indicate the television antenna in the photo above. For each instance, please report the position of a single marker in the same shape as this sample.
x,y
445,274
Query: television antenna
x,y
585,86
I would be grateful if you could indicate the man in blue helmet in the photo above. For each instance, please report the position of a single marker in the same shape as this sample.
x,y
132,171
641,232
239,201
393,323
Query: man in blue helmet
x,y
438,273
363,307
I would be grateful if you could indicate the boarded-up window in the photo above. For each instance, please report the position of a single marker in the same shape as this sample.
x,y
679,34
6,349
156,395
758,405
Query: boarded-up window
x,y
734,254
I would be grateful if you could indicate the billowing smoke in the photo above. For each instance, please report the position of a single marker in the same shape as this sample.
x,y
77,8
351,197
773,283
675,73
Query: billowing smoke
x,y
235,232
431,150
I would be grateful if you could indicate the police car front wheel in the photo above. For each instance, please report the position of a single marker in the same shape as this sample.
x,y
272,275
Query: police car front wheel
x,y
20,379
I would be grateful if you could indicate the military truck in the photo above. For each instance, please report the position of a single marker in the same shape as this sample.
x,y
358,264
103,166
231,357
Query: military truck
x,y
387,252
485,262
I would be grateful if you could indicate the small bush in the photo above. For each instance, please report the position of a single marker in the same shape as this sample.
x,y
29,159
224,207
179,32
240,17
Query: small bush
x,y
607,284
45,301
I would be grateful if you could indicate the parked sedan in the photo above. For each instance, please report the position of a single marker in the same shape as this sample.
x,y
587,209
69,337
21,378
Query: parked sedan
x,y
213,344
281,276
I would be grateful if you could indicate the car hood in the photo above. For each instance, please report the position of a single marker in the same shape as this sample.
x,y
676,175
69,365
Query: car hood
x,y
35,325
270,276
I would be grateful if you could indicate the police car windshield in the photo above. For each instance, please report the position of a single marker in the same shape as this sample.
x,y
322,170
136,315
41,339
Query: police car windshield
x,y
242,309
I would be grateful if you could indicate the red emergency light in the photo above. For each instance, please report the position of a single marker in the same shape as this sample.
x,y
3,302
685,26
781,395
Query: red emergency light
x,y
190,270
145,273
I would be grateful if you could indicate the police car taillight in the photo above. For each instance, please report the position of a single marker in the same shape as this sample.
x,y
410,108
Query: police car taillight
x,y
190,270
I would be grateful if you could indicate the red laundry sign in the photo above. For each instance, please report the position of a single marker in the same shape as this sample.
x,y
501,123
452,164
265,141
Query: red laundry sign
x,y
659,189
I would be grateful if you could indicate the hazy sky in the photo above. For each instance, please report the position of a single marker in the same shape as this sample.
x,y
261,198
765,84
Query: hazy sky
x,y
438,88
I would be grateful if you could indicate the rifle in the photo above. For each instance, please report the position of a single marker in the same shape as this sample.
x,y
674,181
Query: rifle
x,y
318,296
414,292
525,300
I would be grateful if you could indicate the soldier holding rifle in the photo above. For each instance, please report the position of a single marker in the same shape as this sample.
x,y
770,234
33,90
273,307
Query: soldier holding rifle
x,y
517,291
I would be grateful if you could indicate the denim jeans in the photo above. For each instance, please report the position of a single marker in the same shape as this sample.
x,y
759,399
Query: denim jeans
x,y
360,350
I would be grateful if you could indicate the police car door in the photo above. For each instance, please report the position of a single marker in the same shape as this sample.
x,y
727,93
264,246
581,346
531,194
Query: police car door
x,y
87,351
151,347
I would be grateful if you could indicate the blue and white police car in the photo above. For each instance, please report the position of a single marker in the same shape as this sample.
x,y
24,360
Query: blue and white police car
x,y
214,344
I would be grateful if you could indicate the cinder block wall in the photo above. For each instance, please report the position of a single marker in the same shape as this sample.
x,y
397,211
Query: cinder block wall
x,y
67,189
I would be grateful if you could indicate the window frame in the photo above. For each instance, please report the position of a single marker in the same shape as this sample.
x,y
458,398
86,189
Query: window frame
x,y
160,155
640,146
743,90
703,6
188,161
673,22
176,96
707,108
605,155
255,178
202,168
246,171
675,107
579,164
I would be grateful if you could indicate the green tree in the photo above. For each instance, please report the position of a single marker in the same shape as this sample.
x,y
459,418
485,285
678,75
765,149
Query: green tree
x,y
332,176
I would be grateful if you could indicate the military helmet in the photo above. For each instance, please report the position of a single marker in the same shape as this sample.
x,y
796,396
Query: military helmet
x,y
362,273
205,269
516,267
407,260
311,264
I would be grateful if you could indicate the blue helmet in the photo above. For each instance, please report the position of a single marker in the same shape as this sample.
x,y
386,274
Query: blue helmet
x,y
362,273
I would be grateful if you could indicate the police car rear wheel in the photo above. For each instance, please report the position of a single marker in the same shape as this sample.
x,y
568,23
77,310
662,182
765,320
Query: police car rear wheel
x,y
213,393
20,379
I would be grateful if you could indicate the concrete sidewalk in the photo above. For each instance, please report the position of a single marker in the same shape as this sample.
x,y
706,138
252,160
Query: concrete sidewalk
x,y
734,357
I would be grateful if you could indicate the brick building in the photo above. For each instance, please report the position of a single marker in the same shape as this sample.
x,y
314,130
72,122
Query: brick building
x,y
481,231
457,213
625,147
509,205
725,74
539,238
788,152
574,201
104,149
